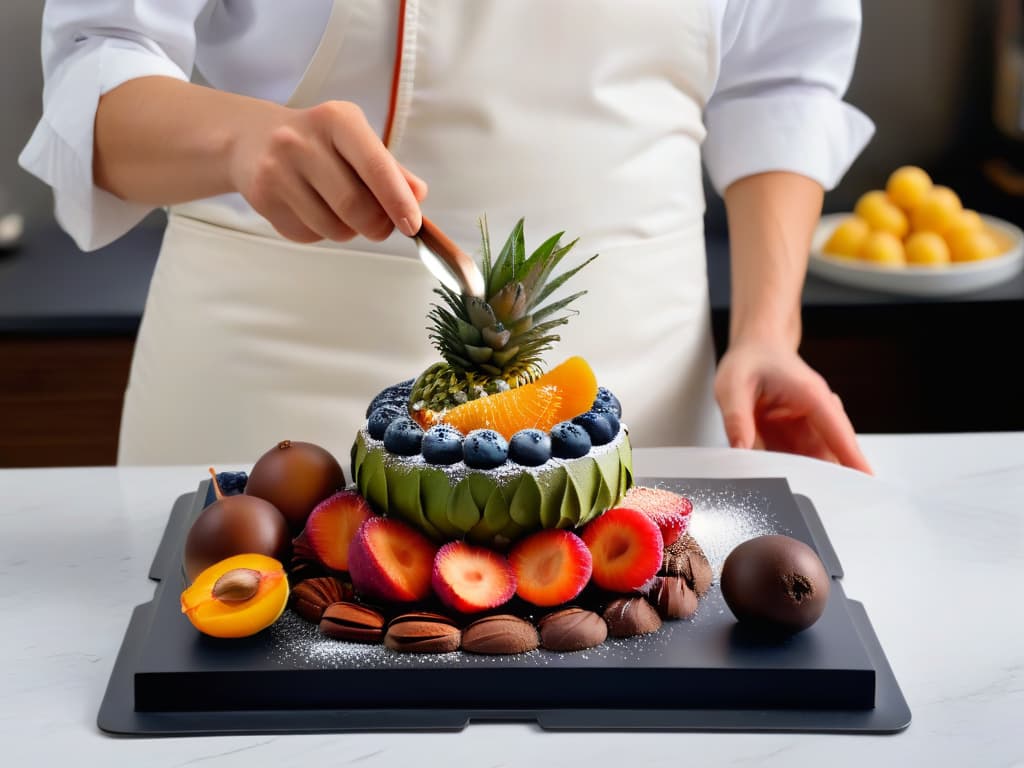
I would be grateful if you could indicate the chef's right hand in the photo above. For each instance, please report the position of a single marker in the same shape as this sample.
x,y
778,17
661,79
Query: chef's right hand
x,y
323,174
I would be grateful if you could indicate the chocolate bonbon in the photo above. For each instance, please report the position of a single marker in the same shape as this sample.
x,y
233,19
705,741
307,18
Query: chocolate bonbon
x,y
295,476
572,629
235,525
422,633
630,616
673,598
352,622
311,597
500,634
775,583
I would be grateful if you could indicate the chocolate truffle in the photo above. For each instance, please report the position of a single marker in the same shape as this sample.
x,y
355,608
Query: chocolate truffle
x,y
295,477
311,597
776,583
353,622
572,629
629,616
501,634
685,558
422,633
235,525
672,598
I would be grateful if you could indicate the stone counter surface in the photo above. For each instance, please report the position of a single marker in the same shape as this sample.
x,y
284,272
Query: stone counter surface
x,y
933,546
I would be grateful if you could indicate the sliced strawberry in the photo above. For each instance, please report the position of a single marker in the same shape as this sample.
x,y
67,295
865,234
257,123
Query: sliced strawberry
x,y
551,567
331,527
390,561
626,547
471,579
669,510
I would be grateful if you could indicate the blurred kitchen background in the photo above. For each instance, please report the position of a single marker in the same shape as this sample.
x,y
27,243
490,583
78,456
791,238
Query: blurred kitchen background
x,y
943,81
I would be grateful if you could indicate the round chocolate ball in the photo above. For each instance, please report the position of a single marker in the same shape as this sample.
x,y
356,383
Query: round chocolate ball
x,y
775,583
295,477
235,525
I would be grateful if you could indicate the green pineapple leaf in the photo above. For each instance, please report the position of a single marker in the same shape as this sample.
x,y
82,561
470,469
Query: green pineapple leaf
x,y
536,264
503,270
555,284
485,238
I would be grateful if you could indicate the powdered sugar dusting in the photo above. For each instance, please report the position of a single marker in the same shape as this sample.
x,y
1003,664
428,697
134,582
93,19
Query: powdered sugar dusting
x,y
724,516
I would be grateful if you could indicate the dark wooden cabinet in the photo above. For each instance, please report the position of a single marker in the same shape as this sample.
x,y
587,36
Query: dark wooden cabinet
x,y
60,399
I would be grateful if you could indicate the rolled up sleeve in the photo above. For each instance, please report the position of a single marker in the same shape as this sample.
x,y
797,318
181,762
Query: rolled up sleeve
x,y
89,49
777,104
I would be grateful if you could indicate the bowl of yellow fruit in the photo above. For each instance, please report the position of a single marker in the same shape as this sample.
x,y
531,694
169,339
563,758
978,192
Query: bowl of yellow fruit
x,y
915,237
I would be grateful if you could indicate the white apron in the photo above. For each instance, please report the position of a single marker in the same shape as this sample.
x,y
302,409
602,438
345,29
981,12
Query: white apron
x,y
581,115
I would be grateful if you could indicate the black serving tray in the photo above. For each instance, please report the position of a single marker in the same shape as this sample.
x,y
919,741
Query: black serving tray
x,y
704,674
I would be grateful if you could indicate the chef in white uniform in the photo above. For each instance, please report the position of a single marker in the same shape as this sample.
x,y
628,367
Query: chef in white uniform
x,y
287,293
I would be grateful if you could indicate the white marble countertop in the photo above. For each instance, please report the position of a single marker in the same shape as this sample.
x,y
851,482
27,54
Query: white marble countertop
x,y
933,546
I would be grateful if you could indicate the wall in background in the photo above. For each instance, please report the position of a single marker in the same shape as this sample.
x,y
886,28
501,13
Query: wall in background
x,y
921,76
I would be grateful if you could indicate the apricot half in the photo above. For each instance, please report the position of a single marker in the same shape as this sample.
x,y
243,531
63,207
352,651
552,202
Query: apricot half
x,y
237,597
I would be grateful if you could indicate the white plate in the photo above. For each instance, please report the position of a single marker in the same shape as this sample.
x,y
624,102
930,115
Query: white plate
x,y
917,280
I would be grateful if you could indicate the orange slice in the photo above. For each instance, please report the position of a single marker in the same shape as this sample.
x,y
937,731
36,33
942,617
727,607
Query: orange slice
x,y
576,383
562,393
525,407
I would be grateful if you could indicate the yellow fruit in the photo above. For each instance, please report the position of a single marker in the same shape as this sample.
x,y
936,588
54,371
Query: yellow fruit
x,y
969,219
884,249
974,246
848,237
937,212
907,186
927,248
880,214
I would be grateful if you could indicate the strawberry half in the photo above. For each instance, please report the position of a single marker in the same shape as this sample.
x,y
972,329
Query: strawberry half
x,y
626,547
391,561
470,579
551,567
331,527
670,511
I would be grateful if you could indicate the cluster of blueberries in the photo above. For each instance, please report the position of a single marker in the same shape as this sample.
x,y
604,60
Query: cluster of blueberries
x,y
388,420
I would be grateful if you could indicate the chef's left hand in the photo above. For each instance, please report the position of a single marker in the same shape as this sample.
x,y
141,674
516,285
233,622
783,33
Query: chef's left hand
x,y
771,398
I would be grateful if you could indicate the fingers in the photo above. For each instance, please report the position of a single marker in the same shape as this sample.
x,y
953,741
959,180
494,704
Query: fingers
x,y
837,433
736,398
314,213
418,185
356,141
346,195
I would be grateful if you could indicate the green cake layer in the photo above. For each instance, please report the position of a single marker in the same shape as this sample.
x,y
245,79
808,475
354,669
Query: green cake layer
x,y
497,506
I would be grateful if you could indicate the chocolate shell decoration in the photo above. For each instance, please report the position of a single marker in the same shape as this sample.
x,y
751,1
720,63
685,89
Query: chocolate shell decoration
x,y
295,477
235,525
775,583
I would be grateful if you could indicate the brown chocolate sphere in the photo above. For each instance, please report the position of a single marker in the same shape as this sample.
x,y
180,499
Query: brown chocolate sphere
x,y
235,525
295,477
775,583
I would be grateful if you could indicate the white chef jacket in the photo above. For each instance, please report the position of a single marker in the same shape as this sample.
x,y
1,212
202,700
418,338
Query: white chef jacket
x,y
781,68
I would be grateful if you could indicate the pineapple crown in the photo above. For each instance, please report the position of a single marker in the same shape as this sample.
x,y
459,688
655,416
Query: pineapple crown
x,y
504,335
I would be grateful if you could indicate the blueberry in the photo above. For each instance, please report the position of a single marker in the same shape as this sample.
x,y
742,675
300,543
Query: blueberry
x,y
484,449
397,394
598,426
530,447
442,445
569,441
232,483
606,401
382,417
403,436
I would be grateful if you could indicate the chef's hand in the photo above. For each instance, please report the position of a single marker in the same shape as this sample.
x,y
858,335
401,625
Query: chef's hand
x,y
315,174
771,398
324,174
